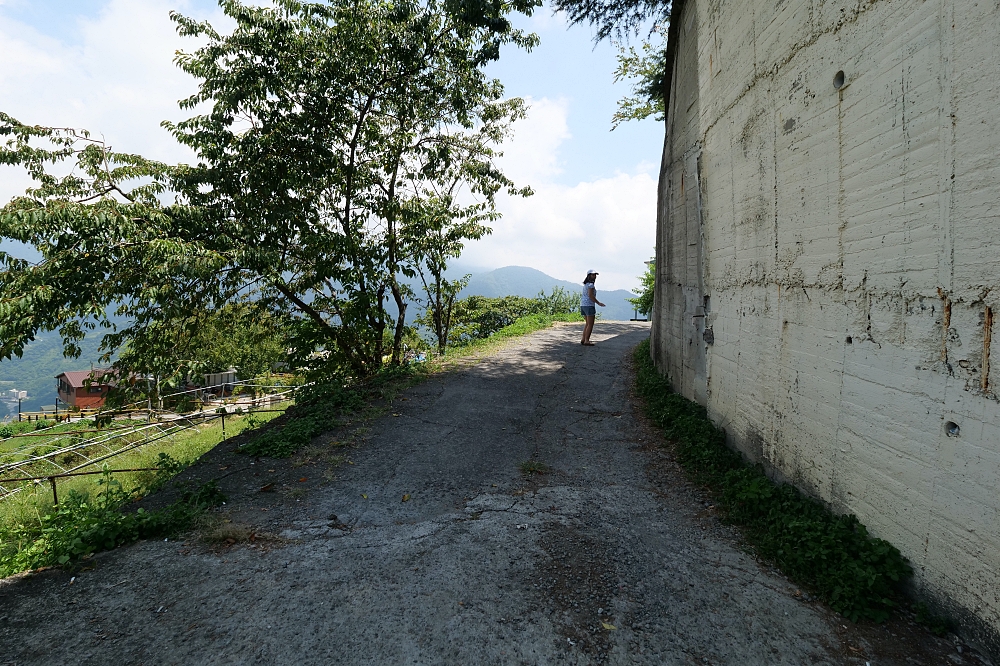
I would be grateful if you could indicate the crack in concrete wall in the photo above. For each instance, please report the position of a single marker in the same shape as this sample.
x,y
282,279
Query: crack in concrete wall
x,y
827,263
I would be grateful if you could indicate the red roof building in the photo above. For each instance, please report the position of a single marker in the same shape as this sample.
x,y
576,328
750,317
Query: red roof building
x,y
73,388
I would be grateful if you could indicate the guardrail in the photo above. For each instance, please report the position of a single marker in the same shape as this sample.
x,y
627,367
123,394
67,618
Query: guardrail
x,y
25,464
45,415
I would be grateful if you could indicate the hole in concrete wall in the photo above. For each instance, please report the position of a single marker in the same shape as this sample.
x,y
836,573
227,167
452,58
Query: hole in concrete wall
x,y
849,340
838,80
951,429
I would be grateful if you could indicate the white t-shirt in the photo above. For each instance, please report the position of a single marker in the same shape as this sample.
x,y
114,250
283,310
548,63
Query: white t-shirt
x,y
585,299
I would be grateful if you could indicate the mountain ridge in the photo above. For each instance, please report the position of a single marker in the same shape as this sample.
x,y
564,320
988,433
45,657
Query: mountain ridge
x,y
528,282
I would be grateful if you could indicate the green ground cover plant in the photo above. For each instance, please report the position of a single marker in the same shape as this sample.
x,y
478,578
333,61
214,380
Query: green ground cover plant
x,y
858,575
82,525
520,327
93,512
938,625
318,408
479,317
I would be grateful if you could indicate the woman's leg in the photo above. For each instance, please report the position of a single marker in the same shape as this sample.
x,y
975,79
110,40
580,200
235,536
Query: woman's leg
x,y
588,328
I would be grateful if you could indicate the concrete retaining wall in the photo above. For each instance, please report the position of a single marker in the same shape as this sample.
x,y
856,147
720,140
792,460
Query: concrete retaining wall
x,y
829,263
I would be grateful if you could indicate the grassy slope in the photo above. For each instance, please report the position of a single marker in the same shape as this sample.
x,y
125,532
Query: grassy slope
x,y
30,524
185,447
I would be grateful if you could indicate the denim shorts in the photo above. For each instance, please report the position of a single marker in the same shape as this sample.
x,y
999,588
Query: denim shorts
x,y
588,310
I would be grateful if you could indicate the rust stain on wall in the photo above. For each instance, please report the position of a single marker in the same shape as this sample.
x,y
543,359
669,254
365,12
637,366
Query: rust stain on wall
x,y
945,325
987,338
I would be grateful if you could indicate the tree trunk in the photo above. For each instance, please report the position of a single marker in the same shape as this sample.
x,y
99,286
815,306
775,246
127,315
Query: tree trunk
x,y
397,339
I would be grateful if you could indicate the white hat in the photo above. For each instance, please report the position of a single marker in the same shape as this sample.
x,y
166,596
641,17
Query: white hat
x,y
592,271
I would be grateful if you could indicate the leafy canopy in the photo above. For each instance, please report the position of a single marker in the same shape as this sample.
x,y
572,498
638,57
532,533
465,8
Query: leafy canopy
x,y
330,130
644,301
617,19
620,20
646,68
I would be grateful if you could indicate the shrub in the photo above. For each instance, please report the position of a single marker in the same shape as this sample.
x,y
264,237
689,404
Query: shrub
x,y
315,413
479,317
79,526
644,301
858,575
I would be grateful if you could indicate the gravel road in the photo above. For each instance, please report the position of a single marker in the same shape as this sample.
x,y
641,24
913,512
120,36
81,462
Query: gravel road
x,y
431,546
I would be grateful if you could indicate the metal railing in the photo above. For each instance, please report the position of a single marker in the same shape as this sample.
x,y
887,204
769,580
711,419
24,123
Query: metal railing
x,y
25,464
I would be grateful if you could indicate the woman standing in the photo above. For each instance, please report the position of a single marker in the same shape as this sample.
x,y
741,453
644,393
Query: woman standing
x,y
588,301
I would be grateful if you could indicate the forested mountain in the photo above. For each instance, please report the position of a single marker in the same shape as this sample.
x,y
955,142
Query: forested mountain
x,y
35,371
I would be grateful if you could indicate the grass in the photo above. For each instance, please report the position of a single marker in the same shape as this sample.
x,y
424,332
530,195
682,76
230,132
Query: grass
x,y
184,447
858,575
36,533
9,442
84,524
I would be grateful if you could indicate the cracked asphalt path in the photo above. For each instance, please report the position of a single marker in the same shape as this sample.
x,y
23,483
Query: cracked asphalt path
x,y
595,562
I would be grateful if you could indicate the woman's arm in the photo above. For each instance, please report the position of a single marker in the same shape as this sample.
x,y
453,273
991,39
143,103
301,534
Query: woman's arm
x,y
593,297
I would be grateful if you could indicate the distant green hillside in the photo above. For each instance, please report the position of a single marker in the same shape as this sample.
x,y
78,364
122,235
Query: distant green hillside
x,y
35,372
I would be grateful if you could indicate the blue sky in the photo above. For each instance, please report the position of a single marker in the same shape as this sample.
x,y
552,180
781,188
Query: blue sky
x,y
106,65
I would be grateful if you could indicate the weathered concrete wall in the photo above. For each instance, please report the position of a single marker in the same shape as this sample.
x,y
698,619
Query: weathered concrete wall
x,y
829,262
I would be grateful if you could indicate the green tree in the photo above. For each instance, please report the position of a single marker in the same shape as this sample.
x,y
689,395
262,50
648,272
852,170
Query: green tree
x,y
560,301
240,335
326,124
326,121
646,69
621,20
478,317
644,301
616,18
437,237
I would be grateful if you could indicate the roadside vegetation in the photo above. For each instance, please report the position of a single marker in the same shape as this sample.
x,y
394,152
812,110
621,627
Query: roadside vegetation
x,y
644,301
832,555
94,511
295,240
92,514
83,524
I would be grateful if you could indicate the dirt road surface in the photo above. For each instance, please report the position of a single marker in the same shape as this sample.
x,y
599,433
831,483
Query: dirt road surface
x,y
431,546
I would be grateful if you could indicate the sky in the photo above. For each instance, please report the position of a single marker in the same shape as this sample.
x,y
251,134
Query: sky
x,y
107,66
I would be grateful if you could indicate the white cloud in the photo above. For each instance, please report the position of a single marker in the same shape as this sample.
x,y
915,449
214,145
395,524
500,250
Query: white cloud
x,y
532,155
565,229
117,79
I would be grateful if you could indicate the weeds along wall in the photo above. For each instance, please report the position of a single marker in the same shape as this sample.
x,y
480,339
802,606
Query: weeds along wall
x,y
829,263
